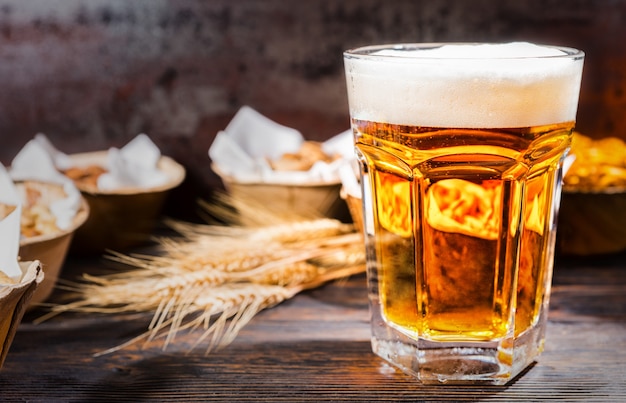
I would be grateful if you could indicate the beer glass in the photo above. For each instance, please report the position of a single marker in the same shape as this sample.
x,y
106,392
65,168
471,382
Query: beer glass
x,y
461,150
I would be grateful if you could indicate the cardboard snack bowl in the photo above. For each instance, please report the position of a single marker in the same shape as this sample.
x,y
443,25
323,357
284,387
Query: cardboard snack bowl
x,y
314,199
14,298
120,219
592,223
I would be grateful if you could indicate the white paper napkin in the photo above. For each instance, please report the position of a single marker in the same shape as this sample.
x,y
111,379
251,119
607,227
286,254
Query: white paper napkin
x,y
134,165
61,160
349,173
36,161
243,148
10,227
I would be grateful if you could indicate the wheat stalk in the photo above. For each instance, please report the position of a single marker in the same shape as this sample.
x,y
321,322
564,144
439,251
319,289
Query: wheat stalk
x,y
214,279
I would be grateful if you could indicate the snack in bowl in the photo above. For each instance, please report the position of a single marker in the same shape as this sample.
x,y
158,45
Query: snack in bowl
x,y
43,237
85,177
600,165
307,155
6,280
6,209
592,217
37,217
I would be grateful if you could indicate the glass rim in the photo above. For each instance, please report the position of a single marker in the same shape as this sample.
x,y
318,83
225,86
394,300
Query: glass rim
x,y
366,52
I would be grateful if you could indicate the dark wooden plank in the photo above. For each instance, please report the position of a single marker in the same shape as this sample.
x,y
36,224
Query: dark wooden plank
x,y
315,347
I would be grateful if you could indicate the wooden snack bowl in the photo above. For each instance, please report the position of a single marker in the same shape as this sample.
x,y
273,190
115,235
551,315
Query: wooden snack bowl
x,y
120,219
14,299
314,199
592,223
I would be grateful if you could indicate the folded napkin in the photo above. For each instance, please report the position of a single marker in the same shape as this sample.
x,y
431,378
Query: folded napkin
x,y
349,173
243,148
10,228
134,165
37,161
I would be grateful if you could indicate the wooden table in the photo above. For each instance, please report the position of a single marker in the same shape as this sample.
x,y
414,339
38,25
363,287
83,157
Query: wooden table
x,y
314,347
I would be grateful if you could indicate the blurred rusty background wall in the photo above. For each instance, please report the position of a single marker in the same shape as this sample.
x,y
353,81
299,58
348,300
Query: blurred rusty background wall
x,y
91,74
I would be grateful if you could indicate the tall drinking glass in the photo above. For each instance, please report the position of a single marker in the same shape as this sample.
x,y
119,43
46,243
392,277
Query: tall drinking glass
x,y
461,150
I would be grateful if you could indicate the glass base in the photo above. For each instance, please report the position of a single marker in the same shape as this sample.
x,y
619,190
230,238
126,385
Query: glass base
x,y
481,363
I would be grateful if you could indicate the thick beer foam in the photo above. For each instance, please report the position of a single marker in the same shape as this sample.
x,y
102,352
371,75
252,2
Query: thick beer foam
x,y
465,86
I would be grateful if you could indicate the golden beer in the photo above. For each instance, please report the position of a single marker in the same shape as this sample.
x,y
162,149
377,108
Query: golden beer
x,y
450,203
461,166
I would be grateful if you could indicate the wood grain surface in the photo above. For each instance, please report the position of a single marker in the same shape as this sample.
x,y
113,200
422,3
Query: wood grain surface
x,y
315,348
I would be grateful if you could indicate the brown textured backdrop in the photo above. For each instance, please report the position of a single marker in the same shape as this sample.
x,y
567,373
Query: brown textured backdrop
x,y
91,74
